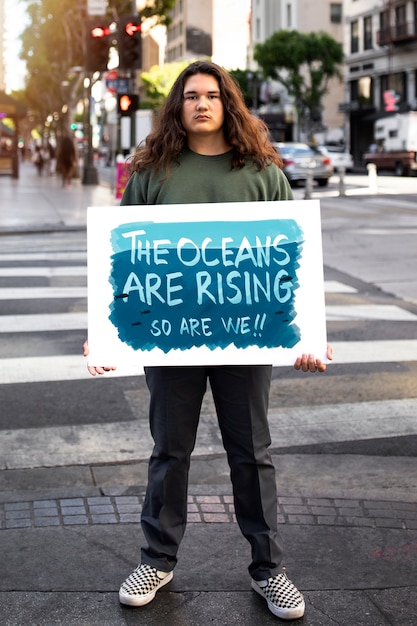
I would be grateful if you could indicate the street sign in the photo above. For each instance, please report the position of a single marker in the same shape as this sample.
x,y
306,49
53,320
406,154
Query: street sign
x,y
117,85
96,7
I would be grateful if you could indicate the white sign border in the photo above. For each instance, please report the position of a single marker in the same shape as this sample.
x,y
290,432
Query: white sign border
x,y
107,349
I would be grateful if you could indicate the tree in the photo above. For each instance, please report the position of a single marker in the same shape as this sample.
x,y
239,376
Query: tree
x,y
304,63
50,48
243,79
53,48
159,80
158,10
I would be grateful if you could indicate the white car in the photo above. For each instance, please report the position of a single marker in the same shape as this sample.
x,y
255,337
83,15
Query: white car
x,y
339,157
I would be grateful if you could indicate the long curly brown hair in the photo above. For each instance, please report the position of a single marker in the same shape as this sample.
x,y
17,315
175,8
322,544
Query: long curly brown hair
x,y
248,135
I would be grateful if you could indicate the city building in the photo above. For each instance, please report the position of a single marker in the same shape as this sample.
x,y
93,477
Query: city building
x,y
216,29
270,16
381,65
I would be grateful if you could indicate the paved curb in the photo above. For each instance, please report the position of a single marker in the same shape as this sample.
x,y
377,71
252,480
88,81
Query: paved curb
x,y
126,509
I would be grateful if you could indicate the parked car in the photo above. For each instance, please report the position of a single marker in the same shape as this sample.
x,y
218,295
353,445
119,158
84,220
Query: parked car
x,y
300,160
339,157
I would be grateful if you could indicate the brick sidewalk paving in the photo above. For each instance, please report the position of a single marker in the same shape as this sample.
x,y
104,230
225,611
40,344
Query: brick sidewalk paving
x,y
208,509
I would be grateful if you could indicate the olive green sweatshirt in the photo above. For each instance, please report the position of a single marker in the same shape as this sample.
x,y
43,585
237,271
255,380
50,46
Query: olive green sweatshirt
x,y
199,178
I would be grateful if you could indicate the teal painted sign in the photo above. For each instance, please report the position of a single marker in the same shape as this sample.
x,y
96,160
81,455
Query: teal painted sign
x,y
182,285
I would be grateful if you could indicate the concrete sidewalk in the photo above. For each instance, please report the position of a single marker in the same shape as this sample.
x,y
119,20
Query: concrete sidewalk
x,y
71,535
39,203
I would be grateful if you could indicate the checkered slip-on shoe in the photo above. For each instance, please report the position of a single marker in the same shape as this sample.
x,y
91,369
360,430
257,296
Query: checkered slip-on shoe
x,y
141,586
283,598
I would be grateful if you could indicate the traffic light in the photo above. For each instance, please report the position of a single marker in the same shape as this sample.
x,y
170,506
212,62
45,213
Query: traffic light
x,y
127,103
129,42
97,46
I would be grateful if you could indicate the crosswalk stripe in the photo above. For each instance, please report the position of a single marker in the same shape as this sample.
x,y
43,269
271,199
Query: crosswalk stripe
x,y
330,286
33,293
128,441
363,312
78,320
53,368
36,293
78,255
357,420
385,351
48,272
43,322
73,367
334,286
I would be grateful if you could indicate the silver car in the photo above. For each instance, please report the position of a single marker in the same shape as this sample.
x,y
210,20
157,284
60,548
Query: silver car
x,y
300,160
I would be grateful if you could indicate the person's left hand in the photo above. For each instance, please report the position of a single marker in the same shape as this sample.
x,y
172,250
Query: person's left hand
x,y
308,362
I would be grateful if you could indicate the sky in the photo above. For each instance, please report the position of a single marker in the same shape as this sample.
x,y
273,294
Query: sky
x,y
15,15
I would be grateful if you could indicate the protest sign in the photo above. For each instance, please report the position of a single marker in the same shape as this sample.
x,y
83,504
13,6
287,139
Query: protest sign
x,y
205,284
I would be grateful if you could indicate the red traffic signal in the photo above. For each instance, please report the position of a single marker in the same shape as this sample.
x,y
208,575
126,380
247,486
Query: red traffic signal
x,y
129,42
97,45
127,103
132,28
99,31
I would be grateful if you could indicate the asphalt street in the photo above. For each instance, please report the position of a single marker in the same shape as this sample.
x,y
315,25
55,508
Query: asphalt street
x,y
74,449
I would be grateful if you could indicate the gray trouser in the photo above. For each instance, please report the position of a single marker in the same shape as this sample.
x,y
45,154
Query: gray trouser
x,y
241,396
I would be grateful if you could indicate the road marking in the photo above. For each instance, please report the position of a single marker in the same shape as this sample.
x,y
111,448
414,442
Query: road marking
x,y
334,286
53,368
344,422
37,293
48,272
131,440
385,231
363,312
43,322
44,256
330,286
30,293
73,367
389,351
75,321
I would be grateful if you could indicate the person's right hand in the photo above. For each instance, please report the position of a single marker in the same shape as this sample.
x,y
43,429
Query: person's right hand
x,y
96,369
309,363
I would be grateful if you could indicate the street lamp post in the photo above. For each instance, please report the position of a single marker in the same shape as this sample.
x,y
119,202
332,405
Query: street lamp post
x,y
253,84
90,175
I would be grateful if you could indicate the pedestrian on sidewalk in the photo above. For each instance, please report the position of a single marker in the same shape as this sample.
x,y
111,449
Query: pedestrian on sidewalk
x,y
67,160
207,147
38,160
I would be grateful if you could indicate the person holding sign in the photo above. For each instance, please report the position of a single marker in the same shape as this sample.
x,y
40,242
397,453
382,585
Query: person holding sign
x,y
206,147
